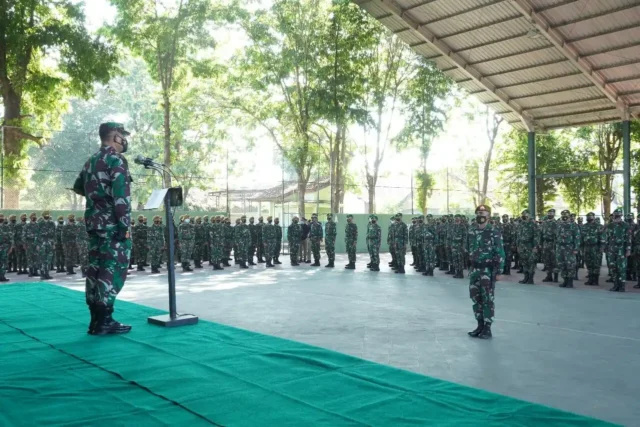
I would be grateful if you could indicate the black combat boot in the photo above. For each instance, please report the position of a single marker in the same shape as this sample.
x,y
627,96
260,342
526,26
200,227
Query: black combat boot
x,y
369,264
277,261
565,280
629,276
47,276
548,278
485,334
106,324
637,286
260,260
401,268
186,267
70,271
520,270
3,278
271,265
451,270
375,267
609,280
443,266
570,282
140,268
555,277
92,322
525,279
430,271
330,265
316,263
530,281
251,262
154,269
477,330
426,272
350,266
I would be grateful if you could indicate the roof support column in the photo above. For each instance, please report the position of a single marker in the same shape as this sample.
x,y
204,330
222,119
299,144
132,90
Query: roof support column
x,y
626,164
531,169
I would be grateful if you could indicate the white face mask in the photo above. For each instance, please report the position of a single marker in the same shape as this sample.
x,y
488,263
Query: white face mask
x,y
186,221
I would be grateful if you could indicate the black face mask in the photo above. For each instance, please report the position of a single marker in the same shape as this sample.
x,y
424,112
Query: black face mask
x,y
550,216
565,218
123,142
13,221
524,217
373,221
60,222
481,219
589,219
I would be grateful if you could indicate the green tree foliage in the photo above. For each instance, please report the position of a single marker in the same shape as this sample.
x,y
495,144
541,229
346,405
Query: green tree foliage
x,y
553,155
33,91
175,40
581,193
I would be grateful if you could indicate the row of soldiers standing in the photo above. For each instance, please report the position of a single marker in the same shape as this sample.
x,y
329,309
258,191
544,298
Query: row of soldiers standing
x,y
33,247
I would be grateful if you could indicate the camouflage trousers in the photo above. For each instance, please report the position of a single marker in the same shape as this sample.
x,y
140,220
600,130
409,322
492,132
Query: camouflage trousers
x,y
278,247
330,248
107,271
374,253
260,249
155,253
457,256
228,245
448,255
351,251
315,249
198,250
206,251
527,258
618,265
46,255
83,253
507,255
294,247
60,256
70,253
481,288
593,259
4,259
549,258
32,256
440,253
216,252
565,261
429,255
269,248
392,251
401,251
417,251
140,249
186,251
21,256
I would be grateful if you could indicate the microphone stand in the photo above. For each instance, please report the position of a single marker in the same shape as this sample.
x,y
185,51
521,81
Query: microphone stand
x,y
173,319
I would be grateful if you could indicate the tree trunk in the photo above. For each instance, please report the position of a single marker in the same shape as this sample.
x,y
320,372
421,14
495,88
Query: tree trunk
x,y
302,190
343,168
167,138
11,145
606,197
371,188
540,187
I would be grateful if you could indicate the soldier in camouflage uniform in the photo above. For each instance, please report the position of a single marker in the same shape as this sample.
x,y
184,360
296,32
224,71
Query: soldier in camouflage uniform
x,y
391,242
70,243
206,249
259,240
330,232
507,240
59,248
486,256
269,241
18,248
592,242
351,242
567,245
244,242
156,242
427,240
631,261
374,238
253,230
199,240
315,235
549,231
216,237
412,240
29,233
401,239
140,242
528,238
186,233
6,246
458,242
45,240
417,248
105,182
294,233
83,247
278,241
618,245
228,242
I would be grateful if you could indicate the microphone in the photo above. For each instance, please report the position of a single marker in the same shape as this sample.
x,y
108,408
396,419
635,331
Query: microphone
x,y
146,161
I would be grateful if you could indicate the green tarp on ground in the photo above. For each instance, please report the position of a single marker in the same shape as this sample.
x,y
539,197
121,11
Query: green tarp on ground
x,y
53,373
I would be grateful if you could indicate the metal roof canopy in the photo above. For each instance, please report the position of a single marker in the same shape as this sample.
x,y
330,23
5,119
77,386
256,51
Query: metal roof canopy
x,y
540,64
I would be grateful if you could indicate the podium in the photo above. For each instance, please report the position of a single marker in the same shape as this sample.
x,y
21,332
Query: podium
x,y
170,197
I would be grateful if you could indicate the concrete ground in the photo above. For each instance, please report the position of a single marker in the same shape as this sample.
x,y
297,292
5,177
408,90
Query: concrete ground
x,y
573,349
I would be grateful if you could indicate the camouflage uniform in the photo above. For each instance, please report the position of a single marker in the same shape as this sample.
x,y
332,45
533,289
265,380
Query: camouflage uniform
x,y
330,233
631,261
140,242
427,241
507,240
156,242
278,241
391,242
315,235
83,247
59,247
618,245
351,242
259,240
70,243
458,237
269,240
228,241
294,233
412,240
567,245
105,182
186,232
374,237
29,233
549,231
486,256
401,238
253,230
216,237
440,248
199,240
528,238
206,249
593,243
46,241
19,247
6,244
244,242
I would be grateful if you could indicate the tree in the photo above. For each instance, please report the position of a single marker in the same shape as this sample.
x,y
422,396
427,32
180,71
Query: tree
x,y
582,192
492,125
425,105
554,154
32,33
175,41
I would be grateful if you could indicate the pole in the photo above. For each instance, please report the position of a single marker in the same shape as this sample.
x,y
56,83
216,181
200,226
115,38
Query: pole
x,y
626,164
171,271
331,182
228,207
2,161
531,169
318,192
283,226
447,190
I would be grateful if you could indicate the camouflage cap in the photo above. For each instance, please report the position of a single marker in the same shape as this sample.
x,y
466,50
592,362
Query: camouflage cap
x,y
71,216
278,218
374,217
429,216
421,218
269,218
243,216
551,210
629,215
140,217
483,208
565,212
238,221
260,217
198,218
505,216
617,212
24,215
157,218
314,214
12,217
591,214
329,216
187,216
60,218
46,213
249,218
525,212
181,217
108,126
350,216
206,217
399,214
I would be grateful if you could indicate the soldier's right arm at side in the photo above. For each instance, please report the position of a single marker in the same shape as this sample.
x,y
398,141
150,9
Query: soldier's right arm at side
x,y
121,193
78,186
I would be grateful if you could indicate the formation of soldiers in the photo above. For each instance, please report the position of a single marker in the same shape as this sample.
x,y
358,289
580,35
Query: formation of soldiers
x,y
37,245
